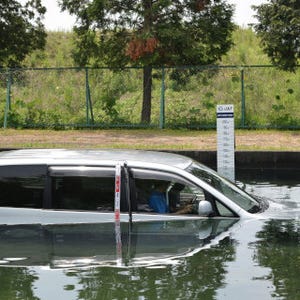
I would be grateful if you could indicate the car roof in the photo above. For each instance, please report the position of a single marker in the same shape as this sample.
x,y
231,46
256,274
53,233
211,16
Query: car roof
x,y
92,157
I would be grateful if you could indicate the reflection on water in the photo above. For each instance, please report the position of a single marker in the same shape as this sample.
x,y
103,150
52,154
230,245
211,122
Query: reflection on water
x,y
204,259
159,259
278,248
142,244
194,277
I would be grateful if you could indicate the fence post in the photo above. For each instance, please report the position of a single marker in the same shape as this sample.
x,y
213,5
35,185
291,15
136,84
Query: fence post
x,y
243,104
162,101
89,108
8,97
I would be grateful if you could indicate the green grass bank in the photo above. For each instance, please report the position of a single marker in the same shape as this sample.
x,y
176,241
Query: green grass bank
x,y
263,96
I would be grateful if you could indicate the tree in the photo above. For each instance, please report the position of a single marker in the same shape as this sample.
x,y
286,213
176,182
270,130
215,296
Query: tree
x,y
150,33
279,29
21,30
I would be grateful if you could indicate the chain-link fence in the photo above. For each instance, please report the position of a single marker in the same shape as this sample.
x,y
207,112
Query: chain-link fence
x,y
263,97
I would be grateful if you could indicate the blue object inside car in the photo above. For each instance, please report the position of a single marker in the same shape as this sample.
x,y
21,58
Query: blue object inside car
x,y
157,202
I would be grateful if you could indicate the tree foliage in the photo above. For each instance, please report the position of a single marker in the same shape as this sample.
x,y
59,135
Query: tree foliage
x,y
150,32
279,29
21,30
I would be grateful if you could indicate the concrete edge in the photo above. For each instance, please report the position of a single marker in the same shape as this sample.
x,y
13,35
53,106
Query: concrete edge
x,y
250,159
243,159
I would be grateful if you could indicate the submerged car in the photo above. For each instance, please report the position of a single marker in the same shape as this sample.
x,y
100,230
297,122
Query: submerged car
x,y
57,186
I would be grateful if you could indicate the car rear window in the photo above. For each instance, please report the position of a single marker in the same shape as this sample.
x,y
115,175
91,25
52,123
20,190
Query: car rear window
x,y
22,186
82,188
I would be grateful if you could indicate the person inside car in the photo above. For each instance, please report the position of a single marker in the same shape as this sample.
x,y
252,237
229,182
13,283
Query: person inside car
x,y
157,200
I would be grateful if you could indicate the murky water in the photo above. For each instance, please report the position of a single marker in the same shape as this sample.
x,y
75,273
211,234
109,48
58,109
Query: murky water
x,y
196,259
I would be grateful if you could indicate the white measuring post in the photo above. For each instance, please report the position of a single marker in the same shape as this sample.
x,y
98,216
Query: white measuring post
x,y
225,141
117,214
117,191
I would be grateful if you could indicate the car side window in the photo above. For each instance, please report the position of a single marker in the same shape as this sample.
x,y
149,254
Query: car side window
x,y
224,211
167,196
22,186
82,188
185,198
162,192
169,193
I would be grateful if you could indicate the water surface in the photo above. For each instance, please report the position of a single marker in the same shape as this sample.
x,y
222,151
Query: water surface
x,y
198,259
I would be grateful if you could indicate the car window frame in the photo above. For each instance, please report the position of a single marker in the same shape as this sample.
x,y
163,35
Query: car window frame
x,y
169,174
88,171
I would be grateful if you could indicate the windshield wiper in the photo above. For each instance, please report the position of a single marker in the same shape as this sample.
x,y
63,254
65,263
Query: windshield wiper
x,y
263,204
255,209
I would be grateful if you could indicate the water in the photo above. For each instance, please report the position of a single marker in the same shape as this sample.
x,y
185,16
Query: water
x,y
199,259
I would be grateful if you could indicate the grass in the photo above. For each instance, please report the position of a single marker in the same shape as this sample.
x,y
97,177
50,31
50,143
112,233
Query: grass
x,y
53,98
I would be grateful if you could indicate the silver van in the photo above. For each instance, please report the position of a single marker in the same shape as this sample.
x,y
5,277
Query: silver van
x,y
58,186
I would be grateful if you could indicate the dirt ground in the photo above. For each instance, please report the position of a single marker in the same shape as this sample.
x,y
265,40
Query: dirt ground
x,y
147,139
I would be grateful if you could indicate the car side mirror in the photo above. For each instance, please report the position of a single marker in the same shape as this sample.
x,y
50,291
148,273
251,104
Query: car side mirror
x,y
205,208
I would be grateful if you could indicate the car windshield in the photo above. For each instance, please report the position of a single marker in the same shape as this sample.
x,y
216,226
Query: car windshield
x,y
226,187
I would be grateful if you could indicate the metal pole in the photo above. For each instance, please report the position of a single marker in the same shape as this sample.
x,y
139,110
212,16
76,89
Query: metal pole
x,y
87,96
243,104
8,97
89,108
162,101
